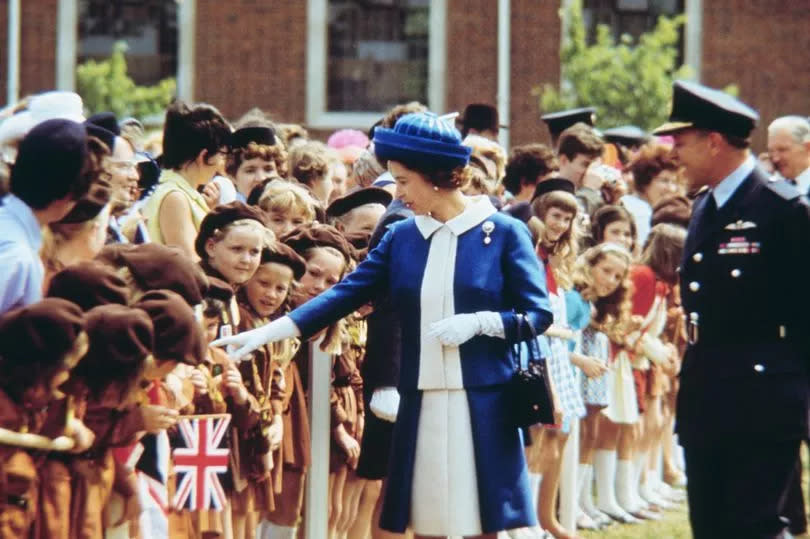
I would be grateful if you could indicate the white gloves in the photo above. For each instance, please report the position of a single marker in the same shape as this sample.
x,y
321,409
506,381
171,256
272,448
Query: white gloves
x,y
654,350
248,341
385,403
460,328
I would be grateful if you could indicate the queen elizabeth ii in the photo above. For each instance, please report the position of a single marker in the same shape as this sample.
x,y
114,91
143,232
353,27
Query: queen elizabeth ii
x,y
460,275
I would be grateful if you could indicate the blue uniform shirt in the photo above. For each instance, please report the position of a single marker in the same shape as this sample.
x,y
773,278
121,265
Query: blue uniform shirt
x,y
21,270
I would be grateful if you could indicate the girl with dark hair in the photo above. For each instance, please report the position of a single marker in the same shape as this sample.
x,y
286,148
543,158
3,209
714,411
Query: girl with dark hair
x,y
555,208
656,175
195,143
614,224
657,360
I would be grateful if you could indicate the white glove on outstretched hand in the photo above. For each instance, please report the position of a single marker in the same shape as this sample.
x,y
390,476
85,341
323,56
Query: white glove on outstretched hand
x,y
385,403
248,341
457,329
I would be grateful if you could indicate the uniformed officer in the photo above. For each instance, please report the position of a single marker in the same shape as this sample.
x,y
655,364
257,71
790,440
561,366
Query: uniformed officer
x,y
743,402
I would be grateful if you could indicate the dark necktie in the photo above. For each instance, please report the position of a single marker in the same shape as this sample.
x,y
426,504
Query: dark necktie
x,y
709,214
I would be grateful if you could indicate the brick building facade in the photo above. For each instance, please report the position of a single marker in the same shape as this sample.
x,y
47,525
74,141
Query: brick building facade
x,y
255,53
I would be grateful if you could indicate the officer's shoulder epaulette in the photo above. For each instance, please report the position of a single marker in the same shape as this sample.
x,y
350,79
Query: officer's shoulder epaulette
x,y
784,189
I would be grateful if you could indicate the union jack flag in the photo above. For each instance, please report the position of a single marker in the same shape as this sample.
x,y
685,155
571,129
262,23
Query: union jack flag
x,y
200,455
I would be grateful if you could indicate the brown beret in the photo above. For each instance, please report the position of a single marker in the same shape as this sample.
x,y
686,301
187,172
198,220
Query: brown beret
x,y
222,216
317,235
358,197
41,333
90,205
674,210
178,335
219,289
120,339
281,253
89,284
156,267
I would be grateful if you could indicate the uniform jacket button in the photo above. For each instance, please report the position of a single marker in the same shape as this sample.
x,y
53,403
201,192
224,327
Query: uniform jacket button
x,y
697,257
735,273
694,286
759,367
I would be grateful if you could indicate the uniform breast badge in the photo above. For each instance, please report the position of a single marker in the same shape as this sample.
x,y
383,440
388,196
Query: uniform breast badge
x,y
741,225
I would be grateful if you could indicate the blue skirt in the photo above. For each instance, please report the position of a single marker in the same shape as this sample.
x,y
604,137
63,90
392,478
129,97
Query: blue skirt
x,y
504,498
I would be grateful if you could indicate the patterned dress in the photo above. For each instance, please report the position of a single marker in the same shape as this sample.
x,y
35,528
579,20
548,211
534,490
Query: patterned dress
x,y
594,343
563,375
562,371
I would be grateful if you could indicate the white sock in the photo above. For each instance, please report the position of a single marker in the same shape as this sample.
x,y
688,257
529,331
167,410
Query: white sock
x,y
639,463
604,465
624,485
586,489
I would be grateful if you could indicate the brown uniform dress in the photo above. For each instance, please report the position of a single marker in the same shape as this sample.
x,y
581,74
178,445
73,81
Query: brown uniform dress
x,y
292,458
264,379
54,496
18,474
346,397
93,472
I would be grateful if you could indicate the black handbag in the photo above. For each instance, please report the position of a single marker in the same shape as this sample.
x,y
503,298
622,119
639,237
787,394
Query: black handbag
x,y
530,388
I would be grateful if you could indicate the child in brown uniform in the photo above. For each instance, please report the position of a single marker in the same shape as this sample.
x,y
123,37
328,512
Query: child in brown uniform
x,y
88,285
104,385
264,298
328,258
39,345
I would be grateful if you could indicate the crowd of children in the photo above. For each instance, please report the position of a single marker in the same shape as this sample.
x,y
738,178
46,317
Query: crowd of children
x,y
148,258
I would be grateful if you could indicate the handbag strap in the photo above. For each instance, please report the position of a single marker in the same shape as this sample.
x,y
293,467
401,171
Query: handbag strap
x,y
525,325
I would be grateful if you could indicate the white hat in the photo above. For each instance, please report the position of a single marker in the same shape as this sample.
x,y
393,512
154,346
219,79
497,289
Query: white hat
x,y
57,104
12,130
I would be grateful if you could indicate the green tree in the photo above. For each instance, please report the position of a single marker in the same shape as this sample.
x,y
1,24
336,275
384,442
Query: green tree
x,y
105,86
628,82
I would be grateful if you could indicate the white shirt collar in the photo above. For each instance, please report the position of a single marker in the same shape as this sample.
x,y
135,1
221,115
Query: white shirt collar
x,y
803,181
476,211
726,188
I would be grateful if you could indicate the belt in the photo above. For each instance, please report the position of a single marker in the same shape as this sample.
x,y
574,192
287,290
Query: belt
x,y
697,332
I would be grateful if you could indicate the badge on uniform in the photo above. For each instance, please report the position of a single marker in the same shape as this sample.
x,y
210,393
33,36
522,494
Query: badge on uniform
x,y
739,245
740,225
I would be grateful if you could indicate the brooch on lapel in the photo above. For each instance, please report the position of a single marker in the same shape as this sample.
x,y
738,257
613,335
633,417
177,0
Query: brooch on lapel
x,y
487,228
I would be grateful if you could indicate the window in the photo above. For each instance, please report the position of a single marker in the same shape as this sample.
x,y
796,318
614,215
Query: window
x,y
149,28
632,17
366,56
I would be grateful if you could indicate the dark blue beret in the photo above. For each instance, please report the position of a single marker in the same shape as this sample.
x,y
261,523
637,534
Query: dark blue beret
x,y
264,136
53,151
107,121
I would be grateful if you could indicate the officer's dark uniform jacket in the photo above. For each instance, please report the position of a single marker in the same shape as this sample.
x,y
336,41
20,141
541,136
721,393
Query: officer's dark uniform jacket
x,y
747,302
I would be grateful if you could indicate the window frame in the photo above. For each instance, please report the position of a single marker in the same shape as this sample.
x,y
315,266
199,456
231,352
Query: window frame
x,y
317,115
67,44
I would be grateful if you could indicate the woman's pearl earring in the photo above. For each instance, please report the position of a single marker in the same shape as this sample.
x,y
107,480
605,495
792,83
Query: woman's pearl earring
x,y
435,187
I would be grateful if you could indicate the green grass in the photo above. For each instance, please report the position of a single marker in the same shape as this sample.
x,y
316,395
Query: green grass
x,y
674,525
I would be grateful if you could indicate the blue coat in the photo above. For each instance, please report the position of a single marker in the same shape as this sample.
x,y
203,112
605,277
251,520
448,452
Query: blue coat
x,y
502,275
